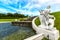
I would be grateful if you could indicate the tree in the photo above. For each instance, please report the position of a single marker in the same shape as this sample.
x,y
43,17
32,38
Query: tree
x,y
9,14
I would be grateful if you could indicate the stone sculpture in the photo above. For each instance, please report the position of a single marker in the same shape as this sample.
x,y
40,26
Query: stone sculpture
x,y
47,20
47,25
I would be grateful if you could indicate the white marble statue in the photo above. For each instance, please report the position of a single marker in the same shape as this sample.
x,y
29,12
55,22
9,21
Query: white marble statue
x,y
47,24
47,20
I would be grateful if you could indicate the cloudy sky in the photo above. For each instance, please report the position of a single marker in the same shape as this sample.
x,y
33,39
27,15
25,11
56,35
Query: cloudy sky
x,y
29,7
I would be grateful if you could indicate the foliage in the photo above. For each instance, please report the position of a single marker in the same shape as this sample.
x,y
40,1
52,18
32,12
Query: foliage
x,y
12,16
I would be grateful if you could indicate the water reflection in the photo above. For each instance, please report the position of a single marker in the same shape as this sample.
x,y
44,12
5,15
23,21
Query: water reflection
x,y
7,29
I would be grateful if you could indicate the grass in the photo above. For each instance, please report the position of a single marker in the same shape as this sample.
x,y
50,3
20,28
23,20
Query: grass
x,y
57,21
37,22
45,38
10,20
7,20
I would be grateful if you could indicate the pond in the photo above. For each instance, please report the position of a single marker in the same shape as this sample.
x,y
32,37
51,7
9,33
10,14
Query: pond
x,y
7,29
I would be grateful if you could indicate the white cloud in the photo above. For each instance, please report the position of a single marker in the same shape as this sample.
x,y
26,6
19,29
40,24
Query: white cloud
x,y
28,12
57,1
31,4
35,4
42,1
52,2
38,3
3,10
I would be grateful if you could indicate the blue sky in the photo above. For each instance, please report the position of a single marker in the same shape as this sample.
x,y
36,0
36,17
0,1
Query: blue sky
x,y
28,7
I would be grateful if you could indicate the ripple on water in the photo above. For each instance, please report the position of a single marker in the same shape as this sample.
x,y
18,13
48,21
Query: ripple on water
x,y
7,29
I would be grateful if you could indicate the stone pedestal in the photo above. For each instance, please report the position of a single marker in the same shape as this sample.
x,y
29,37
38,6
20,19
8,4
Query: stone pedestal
x,y
50,34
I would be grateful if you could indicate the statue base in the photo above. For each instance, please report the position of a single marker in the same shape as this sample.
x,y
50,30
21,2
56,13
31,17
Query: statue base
x,y
48,33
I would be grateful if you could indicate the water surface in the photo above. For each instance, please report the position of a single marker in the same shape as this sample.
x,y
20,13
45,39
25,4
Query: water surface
x,y
7,29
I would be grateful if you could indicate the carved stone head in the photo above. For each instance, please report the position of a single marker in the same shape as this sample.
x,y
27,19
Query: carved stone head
x,y
48,7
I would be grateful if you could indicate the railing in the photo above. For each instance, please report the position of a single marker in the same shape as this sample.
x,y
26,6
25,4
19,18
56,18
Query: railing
x,y
34,25
50,34
37,36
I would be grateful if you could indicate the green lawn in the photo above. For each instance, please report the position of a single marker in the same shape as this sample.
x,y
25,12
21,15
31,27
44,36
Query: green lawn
x,y
37,22
7,20
57,21
10,20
